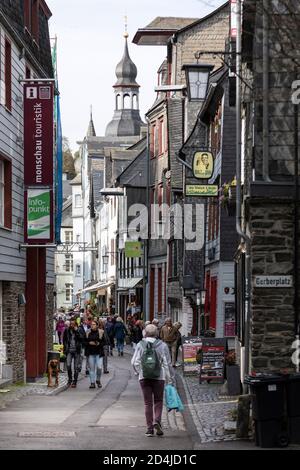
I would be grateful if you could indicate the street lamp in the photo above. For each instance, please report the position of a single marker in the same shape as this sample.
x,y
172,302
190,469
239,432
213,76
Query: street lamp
x,y
197,76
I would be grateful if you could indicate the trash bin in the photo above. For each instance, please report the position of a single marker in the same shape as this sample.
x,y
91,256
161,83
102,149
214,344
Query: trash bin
x,y
268,409
293,407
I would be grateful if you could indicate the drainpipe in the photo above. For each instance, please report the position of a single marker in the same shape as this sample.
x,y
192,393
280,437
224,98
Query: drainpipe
x,y
239,229
146,305
266,127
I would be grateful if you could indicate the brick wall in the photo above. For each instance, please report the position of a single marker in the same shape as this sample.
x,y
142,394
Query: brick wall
x,y
14,327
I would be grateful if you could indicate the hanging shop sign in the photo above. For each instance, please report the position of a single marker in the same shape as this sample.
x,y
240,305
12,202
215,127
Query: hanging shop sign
x,y
278,282
133,249
213,360
203,165
204,190
38,134
39,216
191,347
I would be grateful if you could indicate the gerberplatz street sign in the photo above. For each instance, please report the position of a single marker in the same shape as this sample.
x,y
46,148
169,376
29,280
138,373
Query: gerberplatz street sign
x,y
273,281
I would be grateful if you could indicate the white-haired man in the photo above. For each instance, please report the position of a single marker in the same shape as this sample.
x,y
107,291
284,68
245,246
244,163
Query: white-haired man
x,y
153,388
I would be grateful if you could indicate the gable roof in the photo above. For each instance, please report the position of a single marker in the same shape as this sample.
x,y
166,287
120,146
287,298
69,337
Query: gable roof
x,y
160,30
201,20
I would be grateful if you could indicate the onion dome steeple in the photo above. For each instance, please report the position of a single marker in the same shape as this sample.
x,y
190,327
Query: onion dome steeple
x,y
126,120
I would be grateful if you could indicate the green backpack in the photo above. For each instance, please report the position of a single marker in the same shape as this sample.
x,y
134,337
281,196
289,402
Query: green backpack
x,y
150,361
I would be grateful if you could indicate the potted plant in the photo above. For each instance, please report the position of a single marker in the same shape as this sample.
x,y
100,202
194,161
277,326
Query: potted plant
x,y
232,374
227,197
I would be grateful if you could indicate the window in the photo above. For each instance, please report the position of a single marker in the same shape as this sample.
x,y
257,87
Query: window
x,y
35,20
78,270
152,141
69,237
161,137
5,193
8,101
31,17
27,14
126,102
2,192
77,238
112,254
118,102
69,292
69,263
27,72
135,102
78,200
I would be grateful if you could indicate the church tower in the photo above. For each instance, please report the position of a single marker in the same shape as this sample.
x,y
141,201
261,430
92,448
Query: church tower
x,y
126,121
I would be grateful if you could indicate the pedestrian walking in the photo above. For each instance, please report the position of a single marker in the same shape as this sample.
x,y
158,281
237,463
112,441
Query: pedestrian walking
x,y
102,324
169,334
95,342
84,329
110,330
60,328
120,332
152,362
178,325
144,330
137,333
72,341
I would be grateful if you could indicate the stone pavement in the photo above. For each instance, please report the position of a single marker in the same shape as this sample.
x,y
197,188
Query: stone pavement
x,y
14,392
209,409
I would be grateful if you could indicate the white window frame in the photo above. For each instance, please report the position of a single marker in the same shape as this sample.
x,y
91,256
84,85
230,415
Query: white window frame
x,y
78,201
69,292
78,271
69,263
69,237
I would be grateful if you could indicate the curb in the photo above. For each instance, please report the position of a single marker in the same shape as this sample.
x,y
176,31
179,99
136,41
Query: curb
x,y
188,417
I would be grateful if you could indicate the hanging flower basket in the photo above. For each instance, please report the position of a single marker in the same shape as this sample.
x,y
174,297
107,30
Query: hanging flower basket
x,y
228,197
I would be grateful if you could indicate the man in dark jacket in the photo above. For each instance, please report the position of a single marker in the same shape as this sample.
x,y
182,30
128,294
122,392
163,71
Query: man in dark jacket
x,y
72,349
110,331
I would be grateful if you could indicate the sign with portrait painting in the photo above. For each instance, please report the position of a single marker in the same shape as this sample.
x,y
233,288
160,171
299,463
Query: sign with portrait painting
x,y
203,165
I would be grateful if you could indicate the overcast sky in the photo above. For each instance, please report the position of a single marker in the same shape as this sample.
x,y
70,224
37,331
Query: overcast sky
x,y
91,43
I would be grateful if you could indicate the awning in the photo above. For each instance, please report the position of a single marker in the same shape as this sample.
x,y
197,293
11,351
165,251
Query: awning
x,y
129,283
97,286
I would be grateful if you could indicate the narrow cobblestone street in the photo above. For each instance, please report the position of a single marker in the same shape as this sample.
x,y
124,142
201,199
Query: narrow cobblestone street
x,y
109,419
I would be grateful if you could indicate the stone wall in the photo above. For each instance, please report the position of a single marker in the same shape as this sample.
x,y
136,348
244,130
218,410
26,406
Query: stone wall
x,y
14,328
49,315
272,311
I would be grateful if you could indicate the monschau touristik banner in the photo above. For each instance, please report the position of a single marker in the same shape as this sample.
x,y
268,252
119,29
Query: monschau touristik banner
x,y
38,134
39,214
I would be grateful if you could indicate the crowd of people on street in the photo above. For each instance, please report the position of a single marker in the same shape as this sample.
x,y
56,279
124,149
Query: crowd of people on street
x,y
155,353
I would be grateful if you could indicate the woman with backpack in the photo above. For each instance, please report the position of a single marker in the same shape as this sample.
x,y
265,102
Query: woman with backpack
x,y
95,342
152,362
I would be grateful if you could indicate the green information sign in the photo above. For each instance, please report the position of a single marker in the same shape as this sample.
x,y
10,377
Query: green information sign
x,y
133,249
205,190
38,214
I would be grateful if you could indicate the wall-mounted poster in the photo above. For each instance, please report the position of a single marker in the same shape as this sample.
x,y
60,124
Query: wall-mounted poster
x,y
229,319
